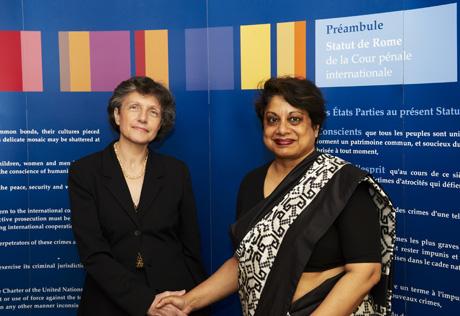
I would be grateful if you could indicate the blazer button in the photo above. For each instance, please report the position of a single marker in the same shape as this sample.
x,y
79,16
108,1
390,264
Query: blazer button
x,y
137,233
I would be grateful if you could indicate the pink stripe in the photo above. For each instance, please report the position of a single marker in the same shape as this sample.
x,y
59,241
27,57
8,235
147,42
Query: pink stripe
x,y
110,59
31,50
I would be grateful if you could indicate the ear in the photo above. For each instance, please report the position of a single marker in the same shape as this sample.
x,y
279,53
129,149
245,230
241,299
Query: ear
x,y
116,116
316,129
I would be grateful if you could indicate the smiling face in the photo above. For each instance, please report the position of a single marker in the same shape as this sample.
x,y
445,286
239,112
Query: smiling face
x,y
288,131
139,118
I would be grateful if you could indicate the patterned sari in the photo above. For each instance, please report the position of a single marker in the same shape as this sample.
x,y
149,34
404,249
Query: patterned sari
x,y
275,239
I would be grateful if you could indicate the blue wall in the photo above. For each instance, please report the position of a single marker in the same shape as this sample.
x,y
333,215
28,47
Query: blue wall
x,y
218,135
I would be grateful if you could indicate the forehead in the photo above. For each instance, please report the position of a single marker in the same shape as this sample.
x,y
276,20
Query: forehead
x,y
279,105
142,99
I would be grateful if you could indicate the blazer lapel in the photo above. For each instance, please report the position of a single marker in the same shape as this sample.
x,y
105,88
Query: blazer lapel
x,y
116,183
152,182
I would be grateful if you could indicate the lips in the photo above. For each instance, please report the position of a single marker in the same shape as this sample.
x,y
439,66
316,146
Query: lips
x,y
283,141
142,129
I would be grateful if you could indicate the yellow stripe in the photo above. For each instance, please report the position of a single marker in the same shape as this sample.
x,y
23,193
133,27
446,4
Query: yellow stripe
x,y
156,55
79,60
285,49
64,67
255,55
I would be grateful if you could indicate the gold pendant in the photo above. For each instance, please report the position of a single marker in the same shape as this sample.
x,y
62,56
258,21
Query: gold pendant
x,y
139,261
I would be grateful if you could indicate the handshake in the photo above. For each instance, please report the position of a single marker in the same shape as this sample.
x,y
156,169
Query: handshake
x,y
169,303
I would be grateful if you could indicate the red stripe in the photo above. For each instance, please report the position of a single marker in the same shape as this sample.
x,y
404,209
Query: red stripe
x,y
139,52
10,61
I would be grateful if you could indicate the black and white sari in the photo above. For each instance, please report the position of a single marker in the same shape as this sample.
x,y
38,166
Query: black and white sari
x,y
275,239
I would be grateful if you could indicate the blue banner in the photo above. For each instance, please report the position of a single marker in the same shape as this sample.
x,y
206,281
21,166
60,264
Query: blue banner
x,y
389,73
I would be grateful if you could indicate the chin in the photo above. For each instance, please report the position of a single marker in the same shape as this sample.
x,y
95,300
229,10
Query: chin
x,y
284,155
142,141
289,154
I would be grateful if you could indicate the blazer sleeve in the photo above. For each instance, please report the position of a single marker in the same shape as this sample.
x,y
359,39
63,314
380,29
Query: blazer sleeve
x,y
95,254
189,230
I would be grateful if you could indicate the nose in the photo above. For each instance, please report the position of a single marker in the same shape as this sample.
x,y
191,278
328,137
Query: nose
x,y
143,114
282,127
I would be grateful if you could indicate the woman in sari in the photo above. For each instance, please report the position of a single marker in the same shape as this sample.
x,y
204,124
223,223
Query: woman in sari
x,y
314,234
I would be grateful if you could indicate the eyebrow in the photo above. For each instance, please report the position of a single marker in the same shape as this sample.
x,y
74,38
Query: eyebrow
x,y
292,112
149,106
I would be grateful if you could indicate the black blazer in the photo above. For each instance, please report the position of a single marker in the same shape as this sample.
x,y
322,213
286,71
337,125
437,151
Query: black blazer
x,y
110,234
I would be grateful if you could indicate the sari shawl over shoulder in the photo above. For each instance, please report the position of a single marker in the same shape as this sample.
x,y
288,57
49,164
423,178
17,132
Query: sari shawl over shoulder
x,y
275,239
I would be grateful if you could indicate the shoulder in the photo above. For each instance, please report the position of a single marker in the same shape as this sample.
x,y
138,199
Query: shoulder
x,y
255,176
251,186
98,163
251,190
87,163
167,159
169,165
345,167
84,171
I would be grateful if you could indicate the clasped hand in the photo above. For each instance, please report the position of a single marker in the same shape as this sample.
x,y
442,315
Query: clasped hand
x,y
172,307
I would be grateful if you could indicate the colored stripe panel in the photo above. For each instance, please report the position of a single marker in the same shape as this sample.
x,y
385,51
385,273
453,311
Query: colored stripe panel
x,y
94,61
151,54
196,61
255,55
139,52
221,73
31,49
285,49
209,58
291,49
10,61
79,61
110,59
156,55
301,49
64,62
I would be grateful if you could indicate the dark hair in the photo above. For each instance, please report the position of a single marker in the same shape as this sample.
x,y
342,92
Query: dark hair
x,y
299,92
145,86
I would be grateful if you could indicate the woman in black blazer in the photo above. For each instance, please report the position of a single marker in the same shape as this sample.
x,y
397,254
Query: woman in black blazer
x,y
133,211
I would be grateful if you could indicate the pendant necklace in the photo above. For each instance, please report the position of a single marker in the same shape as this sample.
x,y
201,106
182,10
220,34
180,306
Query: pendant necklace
x,y
123,169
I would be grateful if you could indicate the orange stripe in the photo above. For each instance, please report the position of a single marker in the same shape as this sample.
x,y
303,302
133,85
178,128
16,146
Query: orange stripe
x,y
300,67
79,61
156,55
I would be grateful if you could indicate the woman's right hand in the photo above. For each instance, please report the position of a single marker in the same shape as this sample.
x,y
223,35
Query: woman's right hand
x,y
179,301
219,285
166,309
